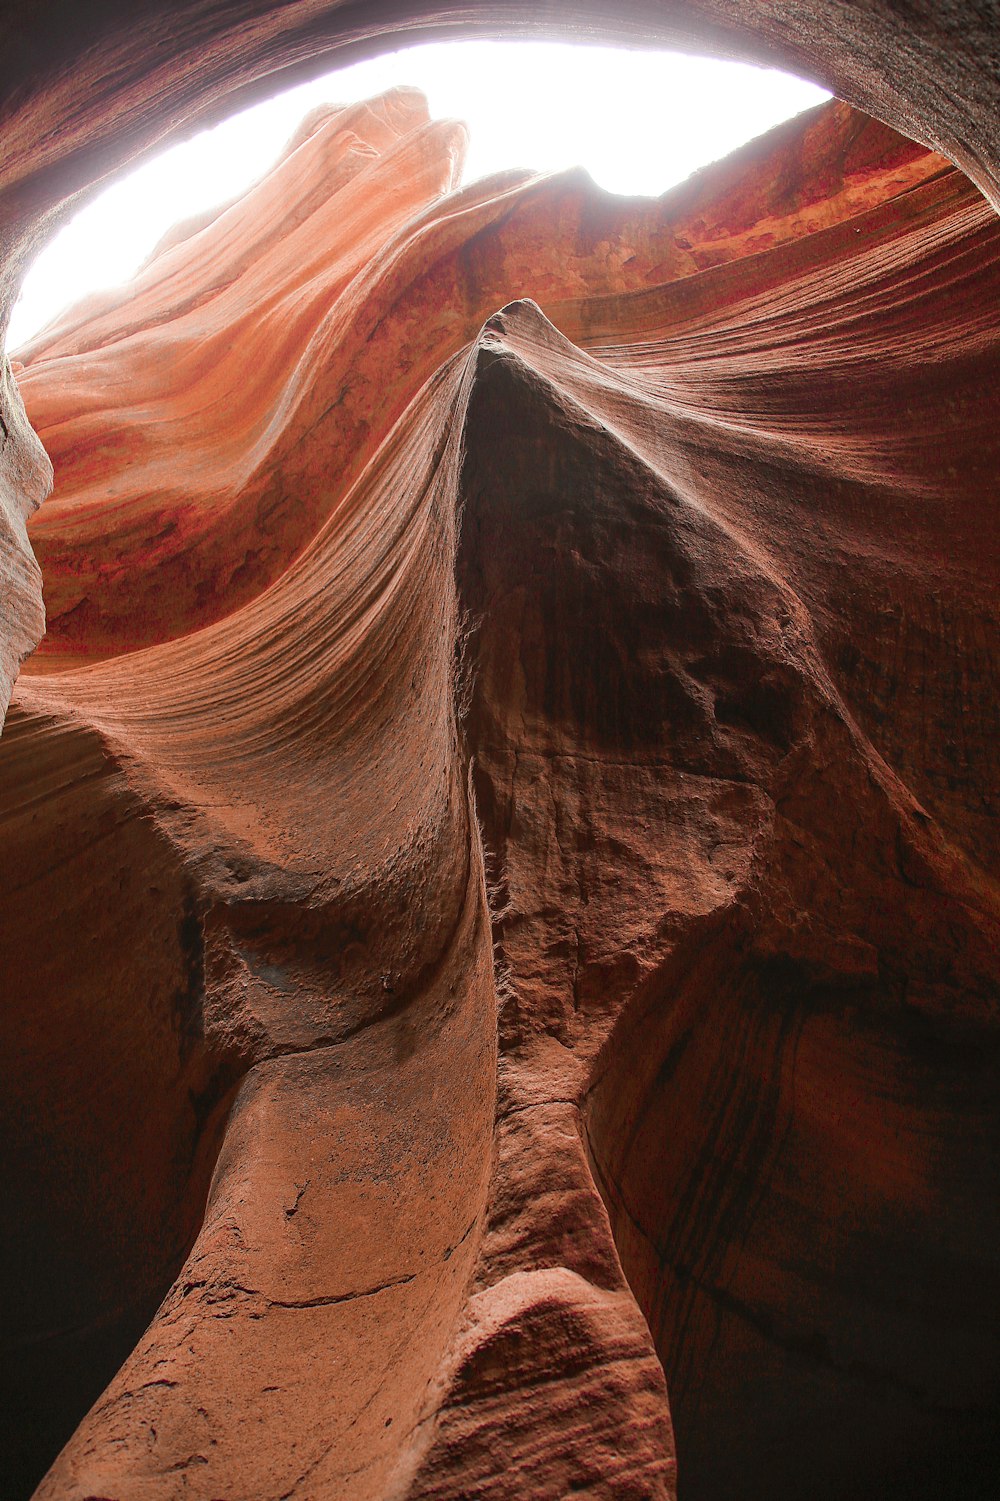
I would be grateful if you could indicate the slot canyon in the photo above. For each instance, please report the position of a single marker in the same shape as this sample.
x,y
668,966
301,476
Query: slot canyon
x,y
498,787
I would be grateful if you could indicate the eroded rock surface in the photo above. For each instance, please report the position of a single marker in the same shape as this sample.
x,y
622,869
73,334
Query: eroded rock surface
x,y
87,86
505,914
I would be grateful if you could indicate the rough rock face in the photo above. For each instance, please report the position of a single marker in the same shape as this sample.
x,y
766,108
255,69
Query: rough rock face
x,y
421,654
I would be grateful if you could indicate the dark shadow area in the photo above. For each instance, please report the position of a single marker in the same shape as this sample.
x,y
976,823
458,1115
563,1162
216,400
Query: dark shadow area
x,y
112,1108
799,1183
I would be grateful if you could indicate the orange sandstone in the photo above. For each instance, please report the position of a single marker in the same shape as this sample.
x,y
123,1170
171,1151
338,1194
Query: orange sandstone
x,y
505,915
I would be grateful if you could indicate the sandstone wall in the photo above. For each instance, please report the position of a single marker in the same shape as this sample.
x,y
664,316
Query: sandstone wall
x,y
501,916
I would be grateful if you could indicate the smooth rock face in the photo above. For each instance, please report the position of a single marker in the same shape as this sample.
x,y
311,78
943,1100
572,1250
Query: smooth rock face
x,y
503,923
298,323
87,85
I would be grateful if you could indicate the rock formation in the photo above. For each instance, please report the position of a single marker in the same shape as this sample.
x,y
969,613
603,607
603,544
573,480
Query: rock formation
x,y
501,925
236,392
86,86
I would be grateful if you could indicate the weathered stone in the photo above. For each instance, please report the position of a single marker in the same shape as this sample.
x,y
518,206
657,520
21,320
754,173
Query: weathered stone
x,y
351,1158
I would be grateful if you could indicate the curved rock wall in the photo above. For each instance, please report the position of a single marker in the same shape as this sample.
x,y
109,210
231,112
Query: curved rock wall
x,y
298,324
88,86
611,529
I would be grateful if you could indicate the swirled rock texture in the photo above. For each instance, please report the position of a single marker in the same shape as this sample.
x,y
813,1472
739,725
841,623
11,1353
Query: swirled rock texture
x,y
88,86
504,915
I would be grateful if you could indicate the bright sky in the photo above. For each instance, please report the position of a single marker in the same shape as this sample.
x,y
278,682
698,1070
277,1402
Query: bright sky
x,y
638,121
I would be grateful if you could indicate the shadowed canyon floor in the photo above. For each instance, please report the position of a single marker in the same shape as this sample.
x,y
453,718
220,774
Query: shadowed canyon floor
x,y
504,910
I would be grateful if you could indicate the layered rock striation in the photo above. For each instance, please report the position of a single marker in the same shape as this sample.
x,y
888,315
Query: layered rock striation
x,y
86,87
504,921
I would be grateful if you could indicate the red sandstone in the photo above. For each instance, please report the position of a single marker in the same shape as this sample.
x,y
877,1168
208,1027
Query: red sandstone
x,y
613,530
